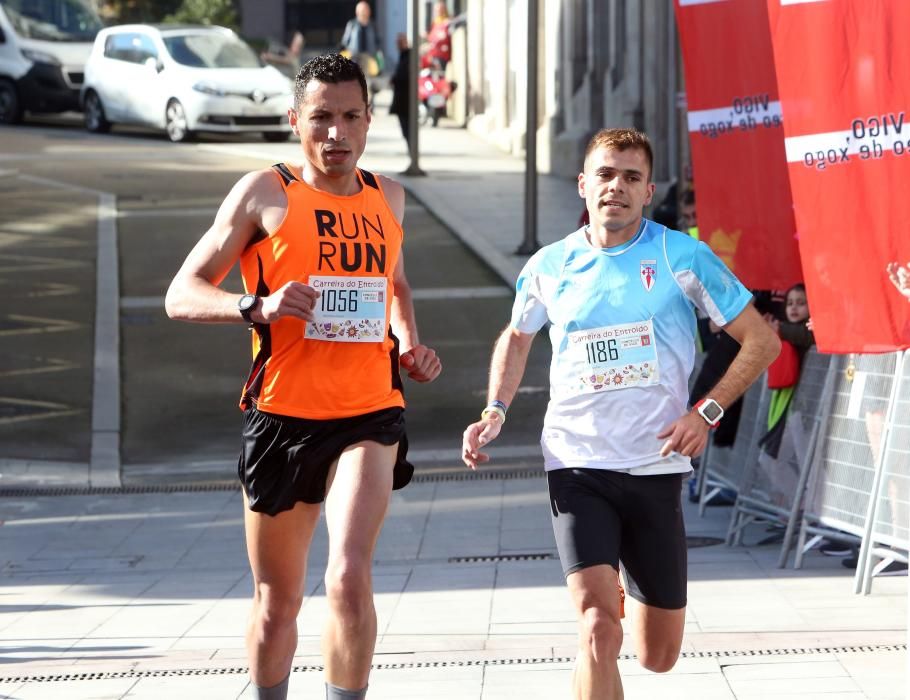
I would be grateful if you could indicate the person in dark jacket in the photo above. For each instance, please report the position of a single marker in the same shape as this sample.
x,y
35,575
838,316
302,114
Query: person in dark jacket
x,y
362,41
401,83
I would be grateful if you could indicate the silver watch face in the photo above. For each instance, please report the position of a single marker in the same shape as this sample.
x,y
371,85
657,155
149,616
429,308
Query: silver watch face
x,y
247,301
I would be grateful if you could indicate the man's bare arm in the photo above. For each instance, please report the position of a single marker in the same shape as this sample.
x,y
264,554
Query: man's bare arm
x,y
507,367
194,294
404,320
419,361
759,346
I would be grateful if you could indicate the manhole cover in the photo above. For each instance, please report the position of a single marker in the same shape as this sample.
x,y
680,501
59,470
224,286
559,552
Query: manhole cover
x,y
692,542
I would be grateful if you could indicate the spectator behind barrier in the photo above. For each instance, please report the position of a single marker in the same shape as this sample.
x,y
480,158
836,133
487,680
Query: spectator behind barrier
x,y
687,219
665,213
783,374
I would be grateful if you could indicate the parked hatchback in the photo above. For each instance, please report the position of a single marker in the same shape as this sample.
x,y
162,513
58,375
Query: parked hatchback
x,y
183,79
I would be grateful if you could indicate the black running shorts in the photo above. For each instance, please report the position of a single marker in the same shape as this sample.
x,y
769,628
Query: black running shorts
x,y
609,517
285,459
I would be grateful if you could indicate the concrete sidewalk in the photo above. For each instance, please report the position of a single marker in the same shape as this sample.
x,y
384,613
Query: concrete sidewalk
x,y
144,593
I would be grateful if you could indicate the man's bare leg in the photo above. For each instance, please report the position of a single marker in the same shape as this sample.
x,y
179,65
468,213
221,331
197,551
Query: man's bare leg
x,y
355,508
657,633
594,592
277,547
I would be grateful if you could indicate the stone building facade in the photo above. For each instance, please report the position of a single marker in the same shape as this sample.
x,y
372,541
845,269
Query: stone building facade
x,y
601,63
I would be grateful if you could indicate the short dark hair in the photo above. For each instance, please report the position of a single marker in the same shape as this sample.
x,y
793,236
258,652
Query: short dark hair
x,y
329,68
688,198
620,140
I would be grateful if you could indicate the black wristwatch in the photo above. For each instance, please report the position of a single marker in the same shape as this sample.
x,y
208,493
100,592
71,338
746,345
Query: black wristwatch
x,y
247,304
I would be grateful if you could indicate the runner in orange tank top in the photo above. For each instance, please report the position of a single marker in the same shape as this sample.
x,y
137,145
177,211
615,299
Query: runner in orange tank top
x,y
329,306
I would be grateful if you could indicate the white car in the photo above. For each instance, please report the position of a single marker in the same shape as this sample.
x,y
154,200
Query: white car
x,y
183,79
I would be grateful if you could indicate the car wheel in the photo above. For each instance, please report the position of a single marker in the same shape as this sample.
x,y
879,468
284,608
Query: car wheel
x,y
175,122
95,120
276,136
10,106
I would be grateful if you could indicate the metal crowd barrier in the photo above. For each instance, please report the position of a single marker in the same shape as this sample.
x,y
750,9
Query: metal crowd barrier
x,y
771,488
843,469
848,457
887,534
723,467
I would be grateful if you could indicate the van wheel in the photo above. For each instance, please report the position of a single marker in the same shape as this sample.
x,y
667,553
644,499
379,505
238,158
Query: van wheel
x,y
10,106
175,122
95,121
276,136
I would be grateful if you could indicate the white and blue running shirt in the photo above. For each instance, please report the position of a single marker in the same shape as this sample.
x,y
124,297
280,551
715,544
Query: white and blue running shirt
x,y
623,336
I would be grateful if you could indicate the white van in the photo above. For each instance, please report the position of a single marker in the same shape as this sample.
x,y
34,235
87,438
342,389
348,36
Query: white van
x,y
44,45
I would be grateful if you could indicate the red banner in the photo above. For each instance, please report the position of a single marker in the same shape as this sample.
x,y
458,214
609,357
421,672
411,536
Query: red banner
x,y
745,212
843,70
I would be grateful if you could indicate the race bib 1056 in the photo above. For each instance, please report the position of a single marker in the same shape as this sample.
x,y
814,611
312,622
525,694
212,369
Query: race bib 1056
x,y
349,309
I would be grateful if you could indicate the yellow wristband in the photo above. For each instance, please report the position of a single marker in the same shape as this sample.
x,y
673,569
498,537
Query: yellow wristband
x,y
493,409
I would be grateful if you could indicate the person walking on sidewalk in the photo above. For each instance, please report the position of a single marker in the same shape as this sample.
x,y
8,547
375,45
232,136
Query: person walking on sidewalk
x,y
319,247
618,435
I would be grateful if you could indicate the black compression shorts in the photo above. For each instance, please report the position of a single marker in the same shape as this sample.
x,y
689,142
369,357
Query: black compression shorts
x,y
608,517
285,459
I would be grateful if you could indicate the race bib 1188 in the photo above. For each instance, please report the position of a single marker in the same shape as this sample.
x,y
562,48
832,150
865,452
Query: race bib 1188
x,y
349,309
614,357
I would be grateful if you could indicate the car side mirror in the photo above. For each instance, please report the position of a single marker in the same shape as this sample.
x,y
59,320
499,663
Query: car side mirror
x,y
154,64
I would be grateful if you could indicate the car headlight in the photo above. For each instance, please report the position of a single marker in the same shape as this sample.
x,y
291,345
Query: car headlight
x,y
209,89
40,57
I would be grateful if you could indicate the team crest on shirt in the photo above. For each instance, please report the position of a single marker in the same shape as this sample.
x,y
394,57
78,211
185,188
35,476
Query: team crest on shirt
x,y
648,274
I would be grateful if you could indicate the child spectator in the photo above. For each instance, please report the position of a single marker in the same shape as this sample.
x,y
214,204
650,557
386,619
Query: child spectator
x,y
783,374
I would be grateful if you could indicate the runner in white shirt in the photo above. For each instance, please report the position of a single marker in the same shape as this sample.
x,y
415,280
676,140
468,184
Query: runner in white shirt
x,y
619,295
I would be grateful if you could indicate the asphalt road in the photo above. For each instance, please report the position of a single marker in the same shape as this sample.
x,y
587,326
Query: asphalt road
x,y
179,383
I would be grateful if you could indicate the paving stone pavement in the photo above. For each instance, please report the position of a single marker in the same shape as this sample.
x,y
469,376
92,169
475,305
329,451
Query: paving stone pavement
x,y
144,595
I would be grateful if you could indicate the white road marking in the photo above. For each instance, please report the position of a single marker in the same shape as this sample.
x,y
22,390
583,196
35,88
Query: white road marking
x,y
53,365
151,213
104,465
43,409
442,294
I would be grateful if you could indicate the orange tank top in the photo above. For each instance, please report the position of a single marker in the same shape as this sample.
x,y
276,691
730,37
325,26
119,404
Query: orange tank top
x,y
346,363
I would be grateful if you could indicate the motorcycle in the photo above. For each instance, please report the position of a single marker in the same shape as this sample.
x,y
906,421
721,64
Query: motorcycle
x,y
433,92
